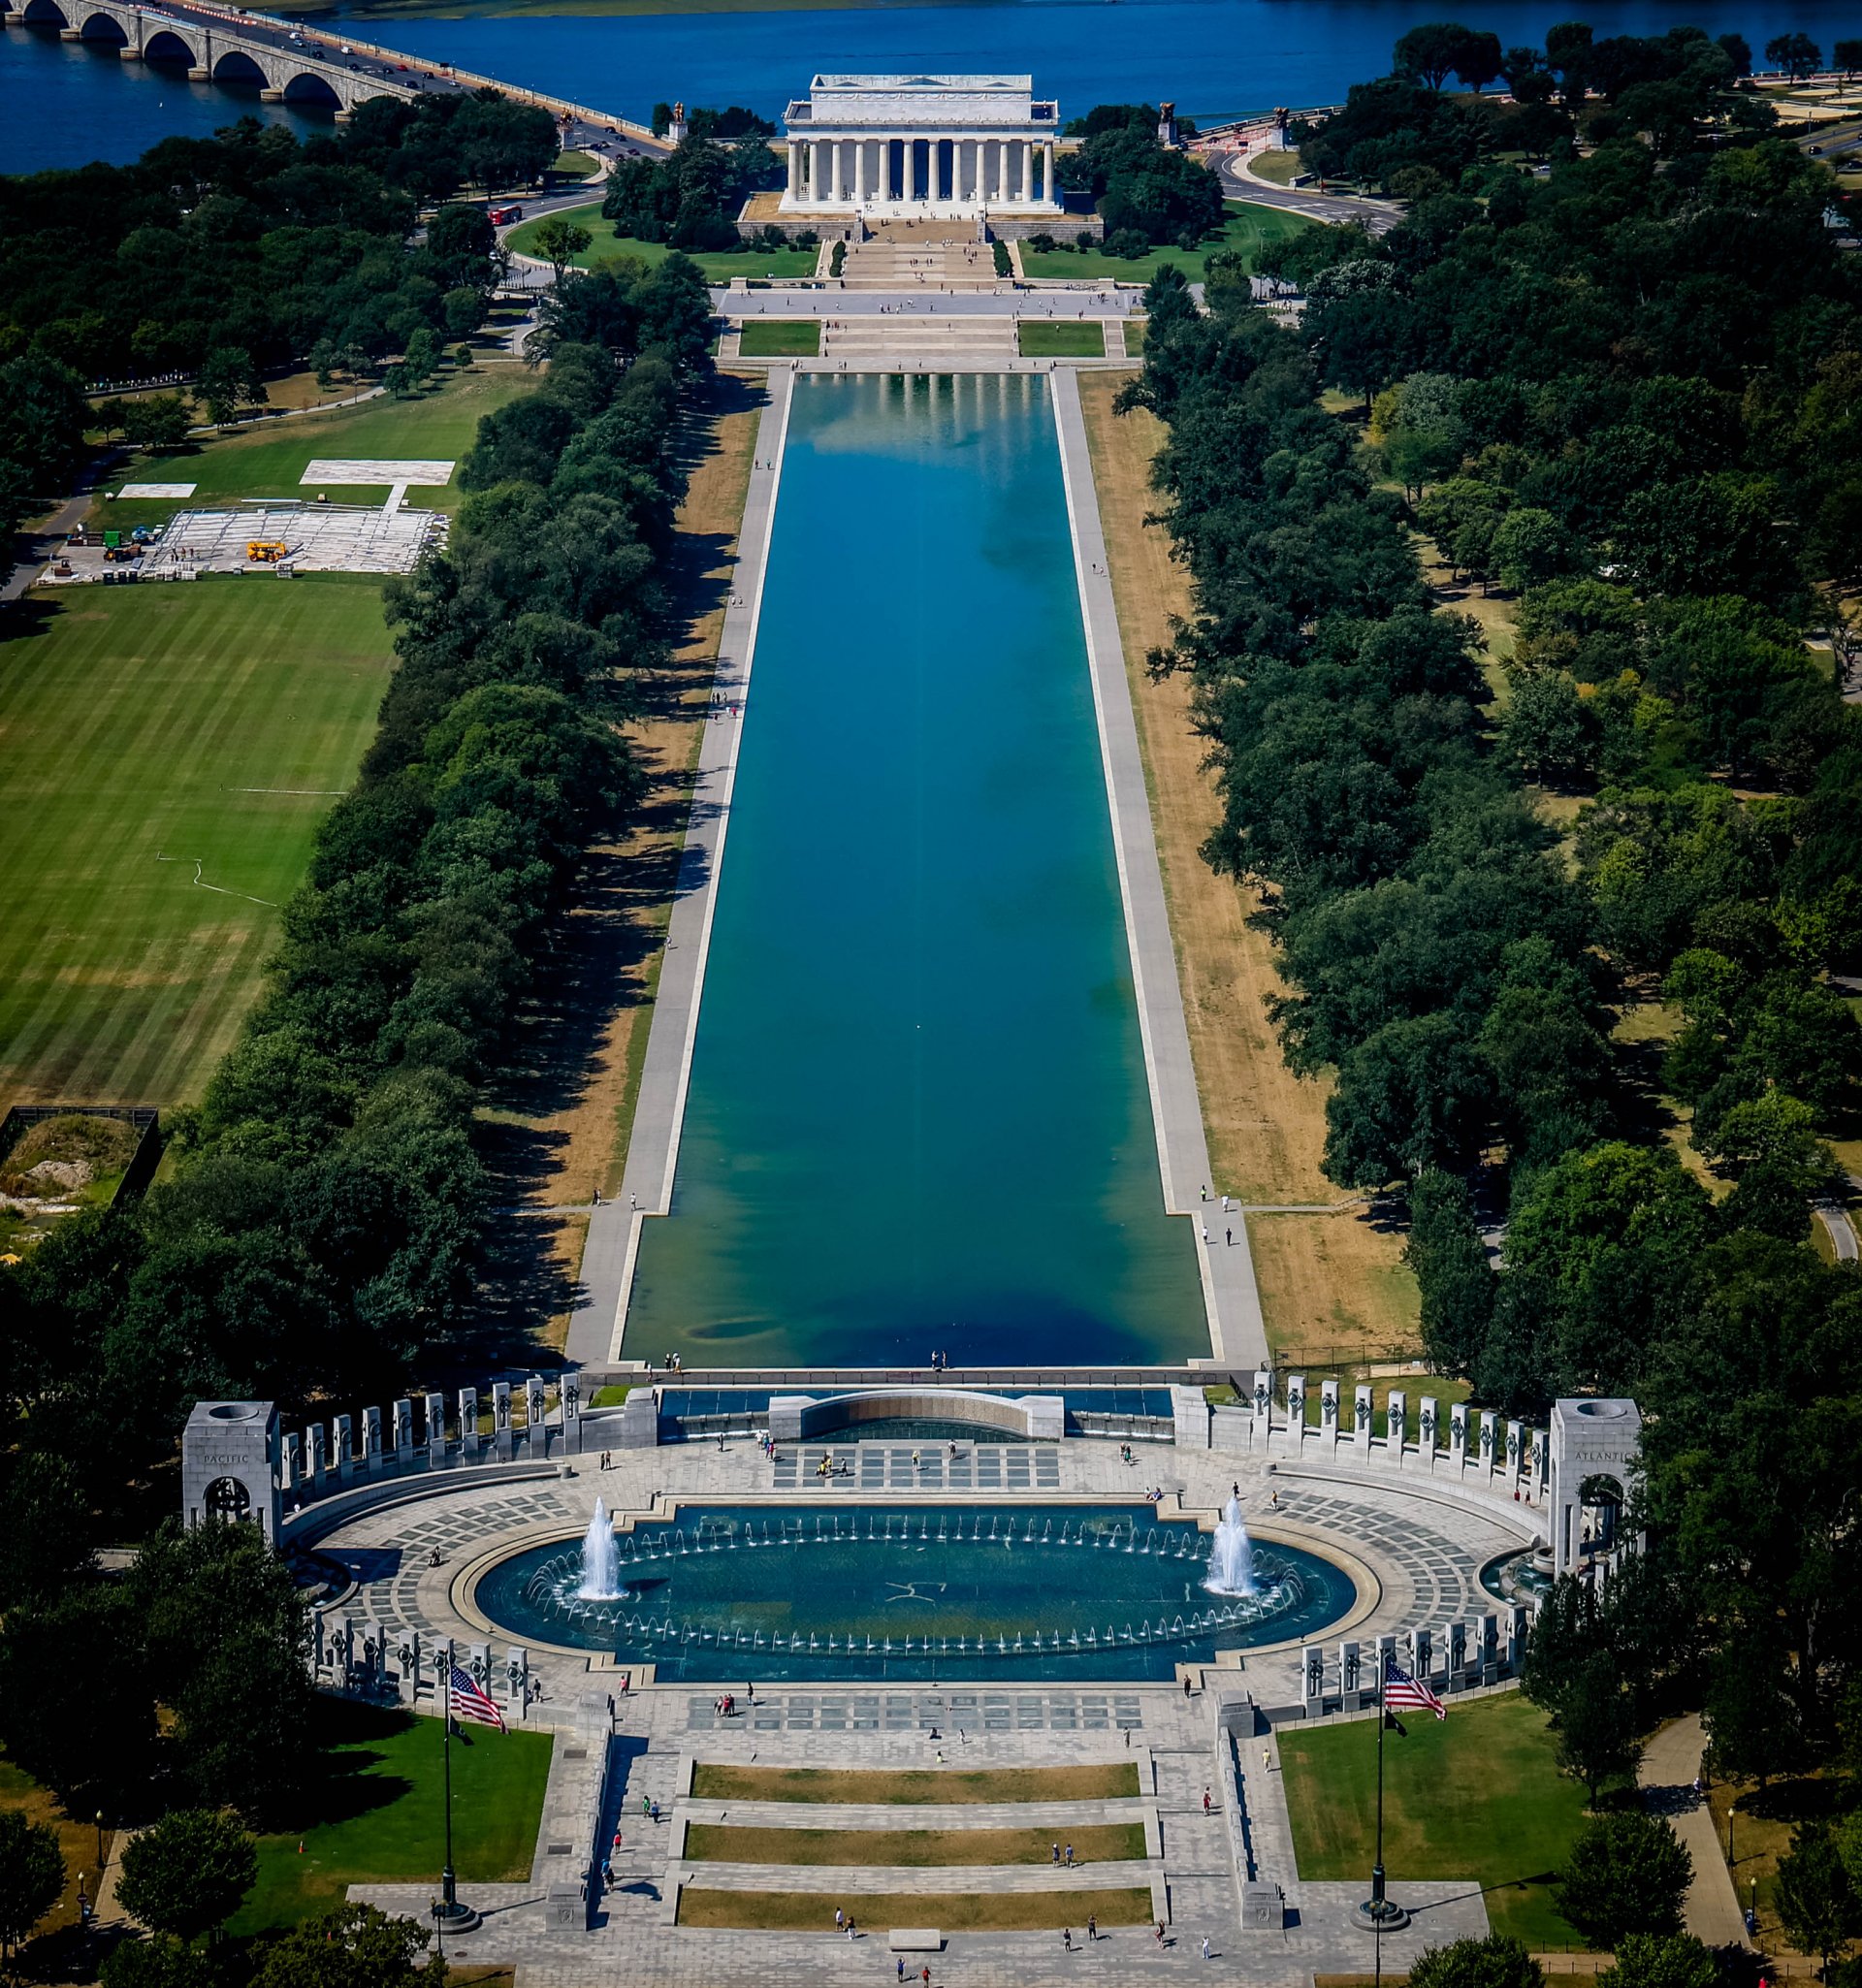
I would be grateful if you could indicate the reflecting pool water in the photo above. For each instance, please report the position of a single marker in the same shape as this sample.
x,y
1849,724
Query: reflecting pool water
x,y
918,1116
1039,1591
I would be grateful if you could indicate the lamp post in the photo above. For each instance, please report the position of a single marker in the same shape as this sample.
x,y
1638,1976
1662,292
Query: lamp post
x,y
100,1849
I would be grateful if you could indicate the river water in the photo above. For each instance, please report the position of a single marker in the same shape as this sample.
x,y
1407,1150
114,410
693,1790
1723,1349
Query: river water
x,y
1214,57
918,1116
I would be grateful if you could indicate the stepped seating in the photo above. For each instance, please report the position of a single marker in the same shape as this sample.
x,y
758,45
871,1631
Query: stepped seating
x,y
911,336
882,265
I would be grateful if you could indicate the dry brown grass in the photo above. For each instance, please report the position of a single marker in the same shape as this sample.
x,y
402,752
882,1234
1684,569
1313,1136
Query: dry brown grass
x,y
1015,1911
1105,1842
712,1781
76,1840
1339,1278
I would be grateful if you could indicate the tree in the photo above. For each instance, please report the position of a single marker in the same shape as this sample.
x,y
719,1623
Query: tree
x,y
1795,53
158,1962
1847,57
187,1873
559,241
1496,1962
355,1946
1531,546
1415,1096
1546,729
32,1877
1449,1259
1625,1873
158,424
1595,1725
1675,1960
230,381
1818,1904
1753,1725
1429,52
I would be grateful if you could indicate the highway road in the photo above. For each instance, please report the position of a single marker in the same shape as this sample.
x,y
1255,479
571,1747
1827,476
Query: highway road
x,y
1378,216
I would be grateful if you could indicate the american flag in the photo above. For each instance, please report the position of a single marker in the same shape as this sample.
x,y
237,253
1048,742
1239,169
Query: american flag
x,y
469,1700
1403,1692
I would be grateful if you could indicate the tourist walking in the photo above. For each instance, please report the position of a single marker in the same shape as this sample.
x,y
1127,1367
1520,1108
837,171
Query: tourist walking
x,y
1056,1853
1092,1925
1205,1801
1205,1946
840,1919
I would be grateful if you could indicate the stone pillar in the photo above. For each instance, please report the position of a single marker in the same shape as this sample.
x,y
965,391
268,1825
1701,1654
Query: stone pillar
x,y
371,1439
1263,1404
1364,1415
836,148
860,173
319,1455
570,1390
1026,152
1425,1430
888,184
468,1425
536,1440
794,170
1047,174
1396,1422
1493,1450
502,1421
1351,1677
1004,169
1329,1412
1295,1410
345,1446
1312,1678
911,152
1458,1436
435,1430
403,1431
1515,1435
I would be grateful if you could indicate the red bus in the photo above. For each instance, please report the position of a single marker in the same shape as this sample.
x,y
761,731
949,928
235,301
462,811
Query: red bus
x,y
502,217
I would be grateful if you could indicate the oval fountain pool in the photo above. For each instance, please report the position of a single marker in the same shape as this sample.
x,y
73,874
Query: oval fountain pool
x,y
1043,1592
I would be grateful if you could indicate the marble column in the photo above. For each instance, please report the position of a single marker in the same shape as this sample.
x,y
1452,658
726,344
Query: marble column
x,y
794,170
840,169
910,151
1048,172
1027,188
859,174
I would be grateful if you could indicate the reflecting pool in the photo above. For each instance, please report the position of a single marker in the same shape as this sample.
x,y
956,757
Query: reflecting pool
x,y
918,1116
1039,1591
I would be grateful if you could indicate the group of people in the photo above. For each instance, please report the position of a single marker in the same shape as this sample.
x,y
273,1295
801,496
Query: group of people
x,y
725,1705
939,1362
1067,1932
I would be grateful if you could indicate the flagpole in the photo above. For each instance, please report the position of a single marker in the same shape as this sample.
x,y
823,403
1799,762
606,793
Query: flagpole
x,y
449,1914
449,1884
1377,1914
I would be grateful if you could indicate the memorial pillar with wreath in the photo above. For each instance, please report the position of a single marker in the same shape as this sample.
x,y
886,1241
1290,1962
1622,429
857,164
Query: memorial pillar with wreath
x,y
230,1453
1596,1447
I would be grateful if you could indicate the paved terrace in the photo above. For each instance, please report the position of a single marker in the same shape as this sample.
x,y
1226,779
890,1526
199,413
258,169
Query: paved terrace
x,y
1424,1557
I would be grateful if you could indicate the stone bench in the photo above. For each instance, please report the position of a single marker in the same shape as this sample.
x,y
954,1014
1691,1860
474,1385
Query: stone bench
x,y
914,1940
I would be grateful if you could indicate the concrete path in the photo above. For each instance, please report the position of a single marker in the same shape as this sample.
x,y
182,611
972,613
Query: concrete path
x,y
1670,1764
1231,1297
1052,1819
1839,1229
598,1321
40,545
1238,183
795,301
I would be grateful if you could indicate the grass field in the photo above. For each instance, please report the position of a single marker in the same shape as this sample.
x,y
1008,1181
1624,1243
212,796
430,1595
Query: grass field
x,y
912,1848
376,1816
807,1911
1475,1795
1040,340
148,731
1248,231
268,459
713,1782
780,338
719,265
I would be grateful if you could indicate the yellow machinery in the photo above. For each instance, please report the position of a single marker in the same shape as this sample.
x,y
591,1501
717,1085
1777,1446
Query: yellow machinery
x,y
267,551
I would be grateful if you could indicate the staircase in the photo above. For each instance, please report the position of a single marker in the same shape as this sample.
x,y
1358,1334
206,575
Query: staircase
x,y
933,265
911,336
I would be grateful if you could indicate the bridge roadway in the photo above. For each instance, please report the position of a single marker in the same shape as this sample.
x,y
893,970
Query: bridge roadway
x,y
296,62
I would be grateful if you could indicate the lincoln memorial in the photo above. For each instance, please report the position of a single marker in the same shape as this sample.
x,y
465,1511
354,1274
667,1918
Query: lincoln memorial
x,y
921,148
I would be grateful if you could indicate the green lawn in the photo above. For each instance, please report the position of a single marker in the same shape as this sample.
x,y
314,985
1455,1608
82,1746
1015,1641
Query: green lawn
x,y
269,458
134,720
1074,340
1475,1795
781,339
376,1816
718,265
1248,229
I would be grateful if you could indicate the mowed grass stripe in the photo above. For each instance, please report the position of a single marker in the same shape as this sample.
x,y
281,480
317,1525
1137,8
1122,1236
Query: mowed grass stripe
x,y
126,719
1003,1912
712,1781
1094,1842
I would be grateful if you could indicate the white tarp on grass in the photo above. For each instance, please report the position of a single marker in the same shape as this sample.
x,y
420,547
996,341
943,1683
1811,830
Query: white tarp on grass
x,y
156,490
383,471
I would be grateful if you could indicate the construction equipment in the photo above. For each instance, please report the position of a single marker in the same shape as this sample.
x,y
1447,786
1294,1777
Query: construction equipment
x,y
267,551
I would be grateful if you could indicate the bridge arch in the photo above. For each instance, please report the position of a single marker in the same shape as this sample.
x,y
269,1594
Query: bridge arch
x,y
103,29
46,13
166,45
315,91
235,65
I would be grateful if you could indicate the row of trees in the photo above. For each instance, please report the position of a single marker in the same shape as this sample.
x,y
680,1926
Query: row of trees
x,y
691,198
1146,192
252,244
